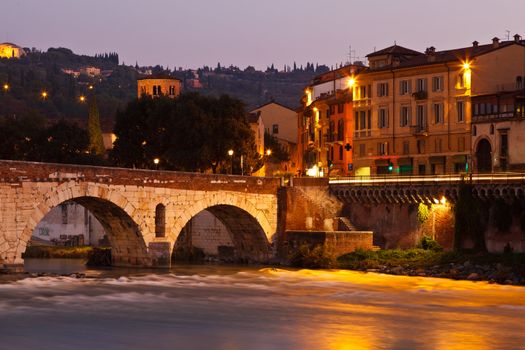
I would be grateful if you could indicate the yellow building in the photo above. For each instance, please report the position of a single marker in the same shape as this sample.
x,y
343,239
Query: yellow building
x,y
417,110
9,50
159,85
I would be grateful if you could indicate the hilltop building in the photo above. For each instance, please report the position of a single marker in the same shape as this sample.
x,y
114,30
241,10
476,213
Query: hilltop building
x,y
9,50
413,112
159,85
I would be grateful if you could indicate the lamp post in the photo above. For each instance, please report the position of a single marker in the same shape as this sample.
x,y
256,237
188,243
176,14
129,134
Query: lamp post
x,y
156,161
230,153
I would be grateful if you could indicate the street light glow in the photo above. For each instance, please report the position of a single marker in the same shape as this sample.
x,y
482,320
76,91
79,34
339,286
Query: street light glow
x,y
82,98
156,161
230,152
6,87
44,94
268,152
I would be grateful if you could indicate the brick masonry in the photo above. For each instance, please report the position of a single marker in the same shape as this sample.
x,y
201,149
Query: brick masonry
x,y
124,202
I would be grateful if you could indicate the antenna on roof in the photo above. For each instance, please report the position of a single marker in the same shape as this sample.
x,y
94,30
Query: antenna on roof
x,y
351,55
395,43
508,34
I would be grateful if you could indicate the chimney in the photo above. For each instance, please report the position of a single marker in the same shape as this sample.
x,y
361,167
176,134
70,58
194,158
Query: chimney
x,y
430,52
475,43
495,42
517,38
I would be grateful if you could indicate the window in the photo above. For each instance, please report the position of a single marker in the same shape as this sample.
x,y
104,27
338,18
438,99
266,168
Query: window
x,y
362,150
404,87
461,144
382,148
438,113
420,146
406,147
63,208
340,130
519,82
382,89
405,116
275,128
341,108
332,109
172,90
160,220
474,130
421,85
460,107
421,117
383,118
340,152
475,109
159,90
356,121
437,83
437,145
421,168
492,129
154,90
362,91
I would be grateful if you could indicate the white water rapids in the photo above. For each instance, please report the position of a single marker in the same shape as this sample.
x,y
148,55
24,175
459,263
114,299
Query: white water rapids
x,y
217,307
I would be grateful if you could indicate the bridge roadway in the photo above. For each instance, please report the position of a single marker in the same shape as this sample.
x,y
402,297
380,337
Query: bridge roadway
x,y
142,211
425,189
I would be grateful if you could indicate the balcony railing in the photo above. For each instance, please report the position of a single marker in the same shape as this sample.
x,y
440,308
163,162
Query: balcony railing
x,y
362,133
419,129
420,95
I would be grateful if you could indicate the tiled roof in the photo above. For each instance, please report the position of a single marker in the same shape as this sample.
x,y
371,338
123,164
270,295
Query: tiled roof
x,y
394,50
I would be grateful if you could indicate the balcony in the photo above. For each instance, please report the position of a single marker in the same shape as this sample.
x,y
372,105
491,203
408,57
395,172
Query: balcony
x,y
419,130
420,95
362,133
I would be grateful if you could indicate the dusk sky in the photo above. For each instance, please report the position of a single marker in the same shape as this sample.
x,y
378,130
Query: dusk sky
x,y
245,32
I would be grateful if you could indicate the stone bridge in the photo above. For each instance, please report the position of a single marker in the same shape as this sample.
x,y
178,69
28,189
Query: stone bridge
x,y
142,211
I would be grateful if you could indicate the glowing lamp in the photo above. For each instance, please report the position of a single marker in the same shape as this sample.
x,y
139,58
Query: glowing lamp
x,y
351,82
230,152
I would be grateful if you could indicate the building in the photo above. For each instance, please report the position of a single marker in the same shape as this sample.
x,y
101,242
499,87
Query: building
x,y
159,85
9,50
498,130
257,127
412,111
66,223
90,71
280,122
325,124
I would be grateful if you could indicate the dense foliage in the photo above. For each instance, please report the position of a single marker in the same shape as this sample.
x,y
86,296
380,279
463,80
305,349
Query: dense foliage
x,y
28,138
190,133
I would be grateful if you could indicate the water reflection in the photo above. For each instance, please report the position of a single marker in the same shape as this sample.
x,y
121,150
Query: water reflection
x,y
218,307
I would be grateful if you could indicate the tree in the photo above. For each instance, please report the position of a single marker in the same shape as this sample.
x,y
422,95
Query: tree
x,y
279,153
190,133
96,142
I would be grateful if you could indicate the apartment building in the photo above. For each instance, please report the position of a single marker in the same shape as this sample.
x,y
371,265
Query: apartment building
x,y
412,111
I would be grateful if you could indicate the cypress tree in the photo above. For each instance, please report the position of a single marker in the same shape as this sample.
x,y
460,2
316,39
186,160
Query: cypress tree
x,y
96,143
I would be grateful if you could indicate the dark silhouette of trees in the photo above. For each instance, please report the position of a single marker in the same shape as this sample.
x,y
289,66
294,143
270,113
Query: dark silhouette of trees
x,y
190,133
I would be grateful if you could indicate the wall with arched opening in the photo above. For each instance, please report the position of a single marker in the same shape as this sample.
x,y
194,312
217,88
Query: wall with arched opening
x,y
235,235
111,209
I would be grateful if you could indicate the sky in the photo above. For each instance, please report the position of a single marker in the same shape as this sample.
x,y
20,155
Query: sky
x,y
193,33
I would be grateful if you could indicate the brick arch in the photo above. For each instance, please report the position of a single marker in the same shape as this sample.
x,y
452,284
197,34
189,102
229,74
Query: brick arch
x,y
111,209
248,226
227,200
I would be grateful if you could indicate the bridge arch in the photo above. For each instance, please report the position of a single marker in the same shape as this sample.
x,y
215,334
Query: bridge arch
x,y
250,228
110,208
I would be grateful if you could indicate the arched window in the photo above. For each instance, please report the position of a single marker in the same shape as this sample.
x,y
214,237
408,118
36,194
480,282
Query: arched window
x,y
519,82
160,221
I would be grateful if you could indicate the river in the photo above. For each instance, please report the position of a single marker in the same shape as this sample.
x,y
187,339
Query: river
x,y
228,307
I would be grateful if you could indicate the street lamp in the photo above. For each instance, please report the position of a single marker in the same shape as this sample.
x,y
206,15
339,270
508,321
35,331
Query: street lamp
x,y
6,87
156,161
230,153
44,94
82,98
268,152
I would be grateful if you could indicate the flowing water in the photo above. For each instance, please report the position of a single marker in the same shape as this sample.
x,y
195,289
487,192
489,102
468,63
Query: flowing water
x,y
218,307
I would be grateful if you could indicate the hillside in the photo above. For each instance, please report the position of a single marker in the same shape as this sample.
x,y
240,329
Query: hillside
x,y
65,77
